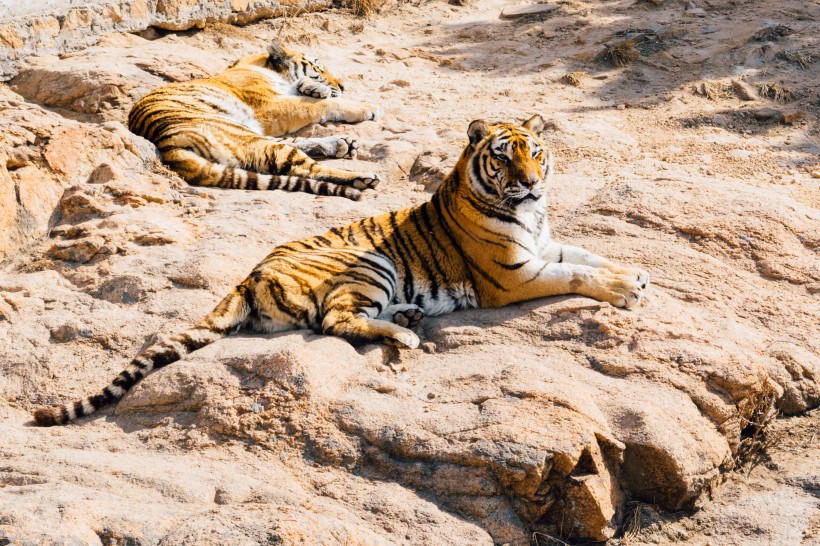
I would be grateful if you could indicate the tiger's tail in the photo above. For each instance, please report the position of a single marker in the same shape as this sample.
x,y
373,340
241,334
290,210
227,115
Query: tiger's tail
x,y
200,171
229,314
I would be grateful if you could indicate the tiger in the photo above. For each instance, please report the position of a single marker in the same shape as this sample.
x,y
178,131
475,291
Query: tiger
x,y
224,130
481,241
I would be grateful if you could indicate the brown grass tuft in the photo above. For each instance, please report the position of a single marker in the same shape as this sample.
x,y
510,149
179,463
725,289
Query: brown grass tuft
x,y
776,92
771,33
800,58
631,523
621,54
712,90
574,78
757,437
363,8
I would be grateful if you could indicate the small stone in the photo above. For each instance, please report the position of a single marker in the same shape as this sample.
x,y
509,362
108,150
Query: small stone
x,y
69,332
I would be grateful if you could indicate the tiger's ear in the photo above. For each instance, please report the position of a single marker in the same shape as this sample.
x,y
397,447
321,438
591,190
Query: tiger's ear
x,y
477,130
278,54
535,124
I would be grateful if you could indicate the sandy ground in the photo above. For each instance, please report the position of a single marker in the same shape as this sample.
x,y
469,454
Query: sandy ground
x,y
649,133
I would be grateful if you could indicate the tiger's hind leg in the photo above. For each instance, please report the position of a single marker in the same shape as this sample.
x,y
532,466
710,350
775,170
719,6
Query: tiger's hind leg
x,y
353,310
268,156
357,327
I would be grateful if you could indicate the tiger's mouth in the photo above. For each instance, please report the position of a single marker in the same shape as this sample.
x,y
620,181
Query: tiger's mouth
x,y
518,198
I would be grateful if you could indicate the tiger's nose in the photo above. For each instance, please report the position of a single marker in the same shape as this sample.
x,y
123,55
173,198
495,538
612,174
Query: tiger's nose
x,y
529,181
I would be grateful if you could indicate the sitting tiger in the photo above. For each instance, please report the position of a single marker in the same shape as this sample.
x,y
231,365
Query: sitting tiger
x,y
483,240
221,131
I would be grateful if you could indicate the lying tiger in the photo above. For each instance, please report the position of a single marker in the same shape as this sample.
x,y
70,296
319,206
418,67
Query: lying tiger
x,y
221,131
482,241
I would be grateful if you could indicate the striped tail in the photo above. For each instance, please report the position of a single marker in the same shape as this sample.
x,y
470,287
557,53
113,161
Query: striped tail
x,y
228,315
199,171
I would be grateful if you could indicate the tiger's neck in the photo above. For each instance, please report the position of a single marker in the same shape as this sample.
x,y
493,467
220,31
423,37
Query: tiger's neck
x,y
485,236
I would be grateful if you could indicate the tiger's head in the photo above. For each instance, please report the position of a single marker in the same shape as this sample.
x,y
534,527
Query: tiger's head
x,y
293,66
508,164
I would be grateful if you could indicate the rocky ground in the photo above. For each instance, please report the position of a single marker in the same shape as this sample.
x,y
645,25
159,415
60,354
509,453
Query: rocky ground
x,y
686,137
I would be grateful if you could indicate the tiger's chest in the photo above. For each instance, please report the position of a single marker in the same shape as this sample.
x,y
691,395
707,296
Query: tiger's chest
x,y
438,299
450,298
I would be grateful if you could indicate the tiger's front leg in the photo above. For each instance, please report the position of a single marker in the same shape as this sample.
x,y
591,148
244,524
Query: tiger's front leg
x,y
539,279
339,110
558,253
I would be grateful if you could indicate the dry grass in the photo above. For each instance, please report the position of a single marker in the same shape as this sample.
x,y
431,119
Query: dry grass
x,y
621,54
801,59
772,33
757,437
776,92
712,90
574,79
543,539
631,524
363,8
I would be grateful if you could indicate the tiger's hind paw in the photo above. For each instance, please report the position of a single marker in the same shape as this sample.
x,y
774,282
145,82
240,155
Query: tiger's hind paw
x,y
408,317
366,181
346,147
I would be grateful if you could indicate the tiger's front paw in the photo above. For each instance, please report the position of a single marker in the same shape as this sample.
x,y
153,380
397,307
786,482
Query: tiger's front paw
x,y
373,113
311,88
403,339
623,289
641,276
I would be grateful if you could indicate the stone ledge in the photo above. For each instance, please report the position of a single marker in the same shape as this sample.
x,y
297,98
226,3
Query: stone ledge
x,y
65,28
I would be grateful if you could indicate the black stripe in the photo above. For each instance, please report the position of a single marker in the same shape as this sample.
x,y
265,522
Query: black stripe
x,y
437,276
408,277
538,273
512,267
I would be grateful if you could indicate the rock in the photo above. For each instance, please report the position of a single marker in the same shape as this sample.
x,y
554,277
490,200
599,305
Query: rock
x,y
28,32
102,83
45,154
744,90
527,10
430,169
548,418
80,251
125,289
69,332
